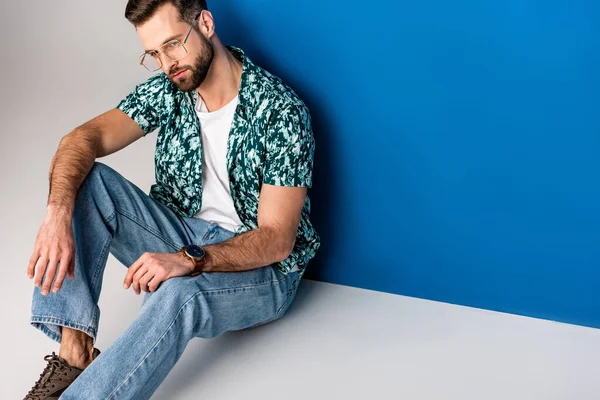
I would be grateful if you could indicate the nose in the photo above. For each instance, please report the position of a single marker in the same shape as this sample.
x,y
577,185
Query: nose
x,y
167,63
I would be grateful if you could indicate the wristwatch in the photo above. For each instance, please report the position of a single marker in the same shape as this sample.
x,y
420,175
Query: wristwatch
x,y
197,255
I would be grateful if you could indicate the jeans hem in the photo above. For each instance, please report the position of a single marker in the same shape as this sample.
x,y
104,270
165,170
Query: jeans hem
x,y
39,322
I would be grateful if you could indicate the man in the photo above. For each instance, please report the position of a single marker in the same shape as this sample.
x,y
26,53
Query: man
x,y
222,239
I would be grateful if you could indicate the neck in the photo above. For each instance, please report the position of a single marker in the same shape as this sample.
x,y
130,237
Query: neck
x,y
222,82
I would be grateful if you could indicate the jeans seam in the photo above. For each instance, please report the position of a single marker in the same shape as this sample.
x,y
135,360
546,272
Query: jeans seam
x,y
156,344
200,292
98,263
144,226
286,301
216,291
291,292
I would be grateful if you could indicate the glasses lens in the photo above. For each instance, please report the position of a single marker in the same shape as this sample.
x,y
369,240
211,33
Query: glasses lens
x,y
174,50
151,63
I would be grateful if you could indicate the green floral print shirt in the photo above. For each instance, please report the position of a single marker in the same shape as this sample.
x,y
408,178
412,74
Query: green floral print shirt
x,y
270,141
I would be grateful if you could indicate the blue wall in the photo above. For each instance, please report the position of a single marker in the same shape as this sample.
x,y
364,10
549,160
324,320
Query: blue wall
x,y
457,144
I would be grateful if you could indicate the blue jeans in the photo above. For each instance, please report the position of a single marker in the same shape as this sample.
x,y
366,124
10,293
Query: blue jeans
x,y
113,215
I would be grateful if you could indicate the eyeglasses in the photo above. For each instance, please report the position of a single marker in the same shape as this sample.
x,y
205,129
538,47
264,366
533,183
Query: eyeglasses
x,y
174,49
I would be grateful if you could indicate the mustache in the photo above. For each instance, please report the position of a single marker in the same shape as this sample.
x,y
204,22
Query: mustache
x,y
173,72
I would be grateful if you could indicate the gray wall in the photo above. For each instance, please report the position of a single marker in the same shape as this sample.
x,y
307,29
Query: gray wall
x,y
63,62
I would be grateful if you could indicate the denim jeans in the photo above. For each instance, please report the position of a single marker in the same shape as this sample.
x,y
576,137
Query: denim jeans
x,y
113,215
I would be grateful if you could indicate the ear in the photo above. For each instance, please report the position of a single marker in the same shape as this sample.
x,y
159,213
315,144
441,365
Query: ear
x,y
206,24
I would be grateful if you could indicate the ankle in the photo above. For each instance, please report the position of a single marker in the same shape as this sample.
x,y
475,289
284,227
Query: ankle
x,y
76,348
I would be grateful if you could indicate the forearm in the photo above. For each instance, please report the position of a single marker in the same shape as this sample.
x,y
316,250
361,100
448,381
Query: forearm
x,y
70,165
253,249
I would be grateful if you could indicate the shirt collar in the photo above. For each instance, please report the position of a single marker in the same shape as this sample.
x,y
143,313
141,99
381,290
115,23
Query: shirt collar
x,y
249,69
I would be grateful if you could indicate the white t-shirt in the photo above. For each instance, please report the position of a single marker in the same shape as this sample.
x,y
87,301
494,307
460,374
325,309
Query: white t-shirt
x,y
217,203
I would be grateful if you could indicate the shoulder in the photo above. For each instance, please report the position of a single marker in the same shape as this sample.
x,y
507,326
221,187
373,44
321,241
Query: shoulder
x,y
159,80
156,87
275,97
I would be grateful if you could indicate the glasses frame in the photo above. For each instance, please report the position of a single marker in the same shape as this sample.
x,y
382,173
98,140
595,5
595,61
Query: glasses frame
x,y
159,50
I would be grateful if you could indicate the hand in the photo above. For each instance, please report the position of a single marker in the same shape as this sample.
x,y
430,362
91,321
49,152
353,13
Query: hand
x,y
54,245
152,268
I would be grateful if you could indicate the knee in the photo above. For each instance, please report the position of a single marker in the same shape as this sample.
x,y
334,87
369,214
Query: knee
x,y
100,192
181,300
174,291
94,176
99,181
100,170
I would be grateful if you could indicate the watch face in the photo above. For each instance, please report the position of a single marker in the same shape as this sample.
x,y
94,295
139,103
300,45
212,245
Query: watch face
x,y
194,251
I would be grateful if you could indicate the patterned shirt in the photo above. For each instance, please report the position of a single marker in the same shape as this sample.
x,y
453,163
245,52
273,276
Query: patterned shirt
x,y
270,141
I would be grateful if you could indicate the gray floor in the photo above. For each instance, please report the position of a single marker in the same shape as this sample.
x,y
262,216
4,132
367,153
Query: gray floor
x,y
340,342
345,343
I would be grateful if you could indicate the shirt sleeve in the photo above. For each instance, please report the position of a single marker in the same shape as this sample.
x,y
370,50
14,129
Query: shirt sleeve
x,y
290,147
143,103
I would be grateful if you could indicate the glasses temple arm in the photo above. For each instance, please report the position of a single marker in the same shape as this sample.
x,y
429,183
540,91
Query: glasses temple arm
x,y
192,27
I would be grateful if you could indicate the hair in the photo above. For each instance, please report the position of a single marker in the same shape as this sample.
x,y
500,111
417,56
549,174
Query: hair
x,y
139,11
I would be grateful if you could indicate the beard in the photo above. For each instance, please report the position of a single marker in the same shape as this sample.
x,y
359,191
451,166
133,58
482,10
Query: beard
x,y
199,69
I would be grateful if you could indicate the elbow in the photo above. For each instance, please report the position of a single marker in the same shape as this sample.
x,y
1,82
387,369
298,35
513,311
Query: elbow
x,y
279,244
285,249
89,134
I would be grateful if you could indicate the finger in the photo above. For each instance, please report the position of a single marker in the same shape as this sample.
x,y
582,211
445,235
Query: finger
x,y
137,276
41,269
62,272
155,282
145,279
32,260
71,269
132,270
49,276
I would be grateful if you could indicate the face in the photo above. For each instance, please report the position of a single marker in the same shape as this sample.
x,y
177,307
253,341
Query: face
x,y
189,72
